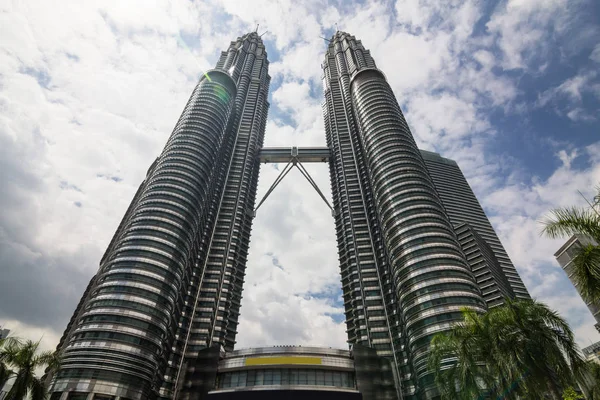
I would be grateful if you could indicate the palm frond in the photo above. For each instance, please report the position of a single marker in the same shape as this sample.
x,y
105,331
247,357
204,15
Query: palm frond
x,y
38,390
51,359
20,387
24,358
5,374
565,222
597,196
586,271
590,382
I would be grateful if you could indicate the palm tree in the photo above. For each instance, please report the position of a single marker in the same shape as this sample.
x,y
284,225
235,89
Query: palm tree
x,y
534,340
25,358
528,350
457,358
591,384
5,371
565,222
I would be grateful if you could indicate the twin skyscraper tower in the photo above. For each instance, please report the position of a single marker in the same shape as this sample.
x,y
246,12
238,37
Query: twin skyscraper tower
x,y
159,319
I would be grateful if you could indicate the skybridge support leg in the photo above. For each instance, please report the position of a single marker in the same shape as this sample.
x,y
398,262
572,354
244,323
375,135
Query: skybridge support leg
x,y
279,178
294,162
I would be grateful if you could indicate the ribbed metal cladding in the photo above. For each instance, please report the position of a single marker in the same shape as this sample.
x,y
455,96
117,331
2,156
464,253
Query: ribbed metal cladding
x,y
371,306
125,328
486,268
432,279
214,304
462,206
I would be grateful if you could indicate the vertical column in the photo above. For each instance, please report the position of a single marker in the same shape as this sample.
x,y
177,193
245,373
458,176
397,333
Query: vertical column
x,y
370,301
431,276
125,328
221,269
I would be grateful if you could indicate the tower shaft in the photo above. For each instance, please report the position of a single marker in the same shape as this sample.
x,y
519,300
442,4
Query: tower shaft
x,y
170,282
390,221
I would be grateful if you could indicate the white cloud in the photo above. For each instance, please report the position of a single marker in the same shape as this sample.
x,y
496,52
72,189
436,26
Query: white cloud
x,y
518,210
298,63
47,336
522,26
529,31
287,21
573,89
595,55
567,157
89,93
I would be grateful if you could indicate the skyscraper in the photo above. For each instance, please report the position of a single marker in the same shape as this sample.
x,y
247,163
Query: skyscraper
x,y
170,281
404,275
495,273
159,319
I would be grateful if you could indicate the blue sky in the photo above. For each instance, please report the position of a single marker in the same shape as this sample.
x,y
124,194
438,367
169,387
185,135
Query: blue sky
x,y
89,92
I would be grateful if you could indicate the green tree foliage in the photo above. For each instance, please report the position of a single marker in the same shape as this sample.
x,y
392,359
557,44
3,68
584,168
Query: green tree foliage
x,y
591,384
571,394
21,359
5,372
521,349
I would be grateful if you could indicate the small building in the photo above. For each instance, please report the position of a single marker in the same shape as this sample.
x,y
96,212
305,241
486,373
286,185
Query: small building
x,y
592,352
565,256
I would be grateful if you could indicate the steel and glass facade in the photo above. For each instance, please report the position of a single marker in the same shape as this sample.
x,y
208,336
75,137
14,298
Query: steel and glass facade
x,y
495,272
404,275
170,281
159,319
488,272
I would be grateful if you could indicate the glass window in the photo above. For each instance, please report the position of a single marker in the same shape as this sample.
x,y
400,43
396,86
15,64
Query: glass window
x,y
328,378
251,378
302,377
344,379
320,375
268,377
310,377
234,379
78,396
293,377
242,378
337,379
276,377
258,380
226,380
